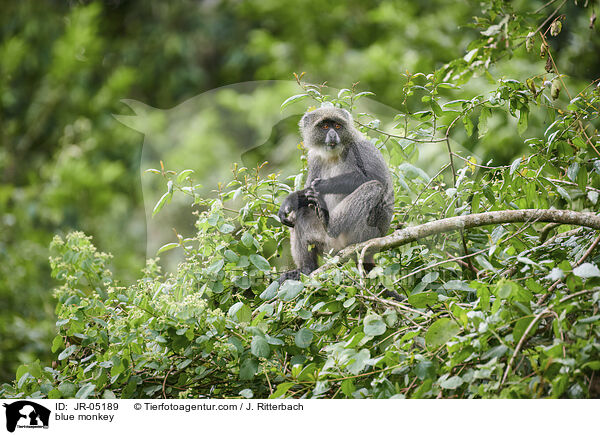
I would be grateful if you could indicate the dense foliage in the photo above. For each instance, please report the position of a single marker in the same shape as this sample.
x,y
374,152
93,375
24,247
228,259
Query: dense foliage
x,y
66,164
504,311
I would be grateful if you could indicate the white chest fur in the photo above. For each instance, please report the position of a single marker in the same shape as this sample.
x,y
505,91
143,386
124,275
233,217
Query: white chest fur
x,y
330,165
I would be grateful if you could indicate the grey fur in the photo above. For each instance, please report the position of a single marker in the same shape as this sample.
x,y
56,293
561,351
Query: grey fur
x,y
348,197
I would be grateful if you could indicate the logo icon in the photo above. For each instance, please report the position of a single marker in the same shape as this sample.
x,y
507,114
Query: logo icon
x,y
26,414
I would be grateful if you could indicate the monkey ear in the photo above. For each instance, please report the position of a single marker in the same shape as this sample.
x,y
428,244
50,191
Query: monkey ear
x,y
346,114
306,119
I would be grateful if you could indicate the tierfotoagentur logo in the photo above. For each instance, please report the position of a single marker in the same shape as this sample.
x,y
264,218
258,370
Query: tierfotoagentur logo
x,y
25,414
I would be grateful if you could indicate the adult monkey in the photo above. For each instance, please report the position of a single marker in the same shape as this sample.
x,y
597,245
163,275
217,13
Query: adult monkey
x,y
348,197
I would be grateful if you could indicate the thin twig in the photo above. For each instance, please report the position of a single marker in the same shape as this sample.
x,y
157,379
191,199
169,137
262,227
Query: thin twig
x,y
394,304
588,252
574,295
165,382
521,341
431,180
570,183
268,381
414,272
397,136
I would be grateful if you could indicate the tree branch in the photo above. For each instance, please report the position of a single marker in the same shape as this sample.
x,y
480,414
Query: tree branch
x,y
456,223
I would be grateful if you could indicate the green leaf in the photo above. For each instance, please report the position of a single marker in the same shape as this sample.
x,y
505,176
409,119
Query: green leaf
x,y
259,347
183,174
440,332
167,247
515,165
54,394
247,239
247,393
248,369
482,126
425,369
436,108
359,361
362,94
572,171
216,266
293,99
161,202
591,319
424,388
290,289
520,326
67,389
451,383
505,288
21,370
241,312
587,270
342,93
582,179
67,352
484,298
374,325
85,391
522,294
226,228
270,292
57,343
348,387
489,194
422,300
303,338
522,123
468,125
349,302
454,103
231,256
495,352
260,263
281,389
563,193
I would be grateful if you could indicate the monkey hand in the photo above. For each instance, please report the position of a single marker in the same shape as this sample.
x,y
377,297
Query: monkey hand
x,y
316,184
315,200
287,211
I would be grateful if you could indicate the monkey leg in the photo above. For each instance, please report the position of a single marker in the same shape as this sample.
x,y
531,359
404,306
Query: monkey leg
x,y
306,238
357,217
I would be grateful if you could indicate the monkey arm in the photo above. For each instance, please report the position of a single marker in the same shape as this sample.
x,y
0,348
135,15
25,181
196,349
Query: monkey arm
x,y
343,184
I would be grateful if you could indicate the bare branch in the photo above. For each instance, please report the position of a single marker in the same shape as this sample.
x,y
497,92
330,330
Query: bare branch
x,y
456,223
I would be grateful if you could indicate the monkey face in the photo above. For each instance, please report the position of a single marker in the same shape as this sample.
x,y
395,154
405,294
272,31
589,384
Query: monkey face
x,y
330,135
330,129
327,129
